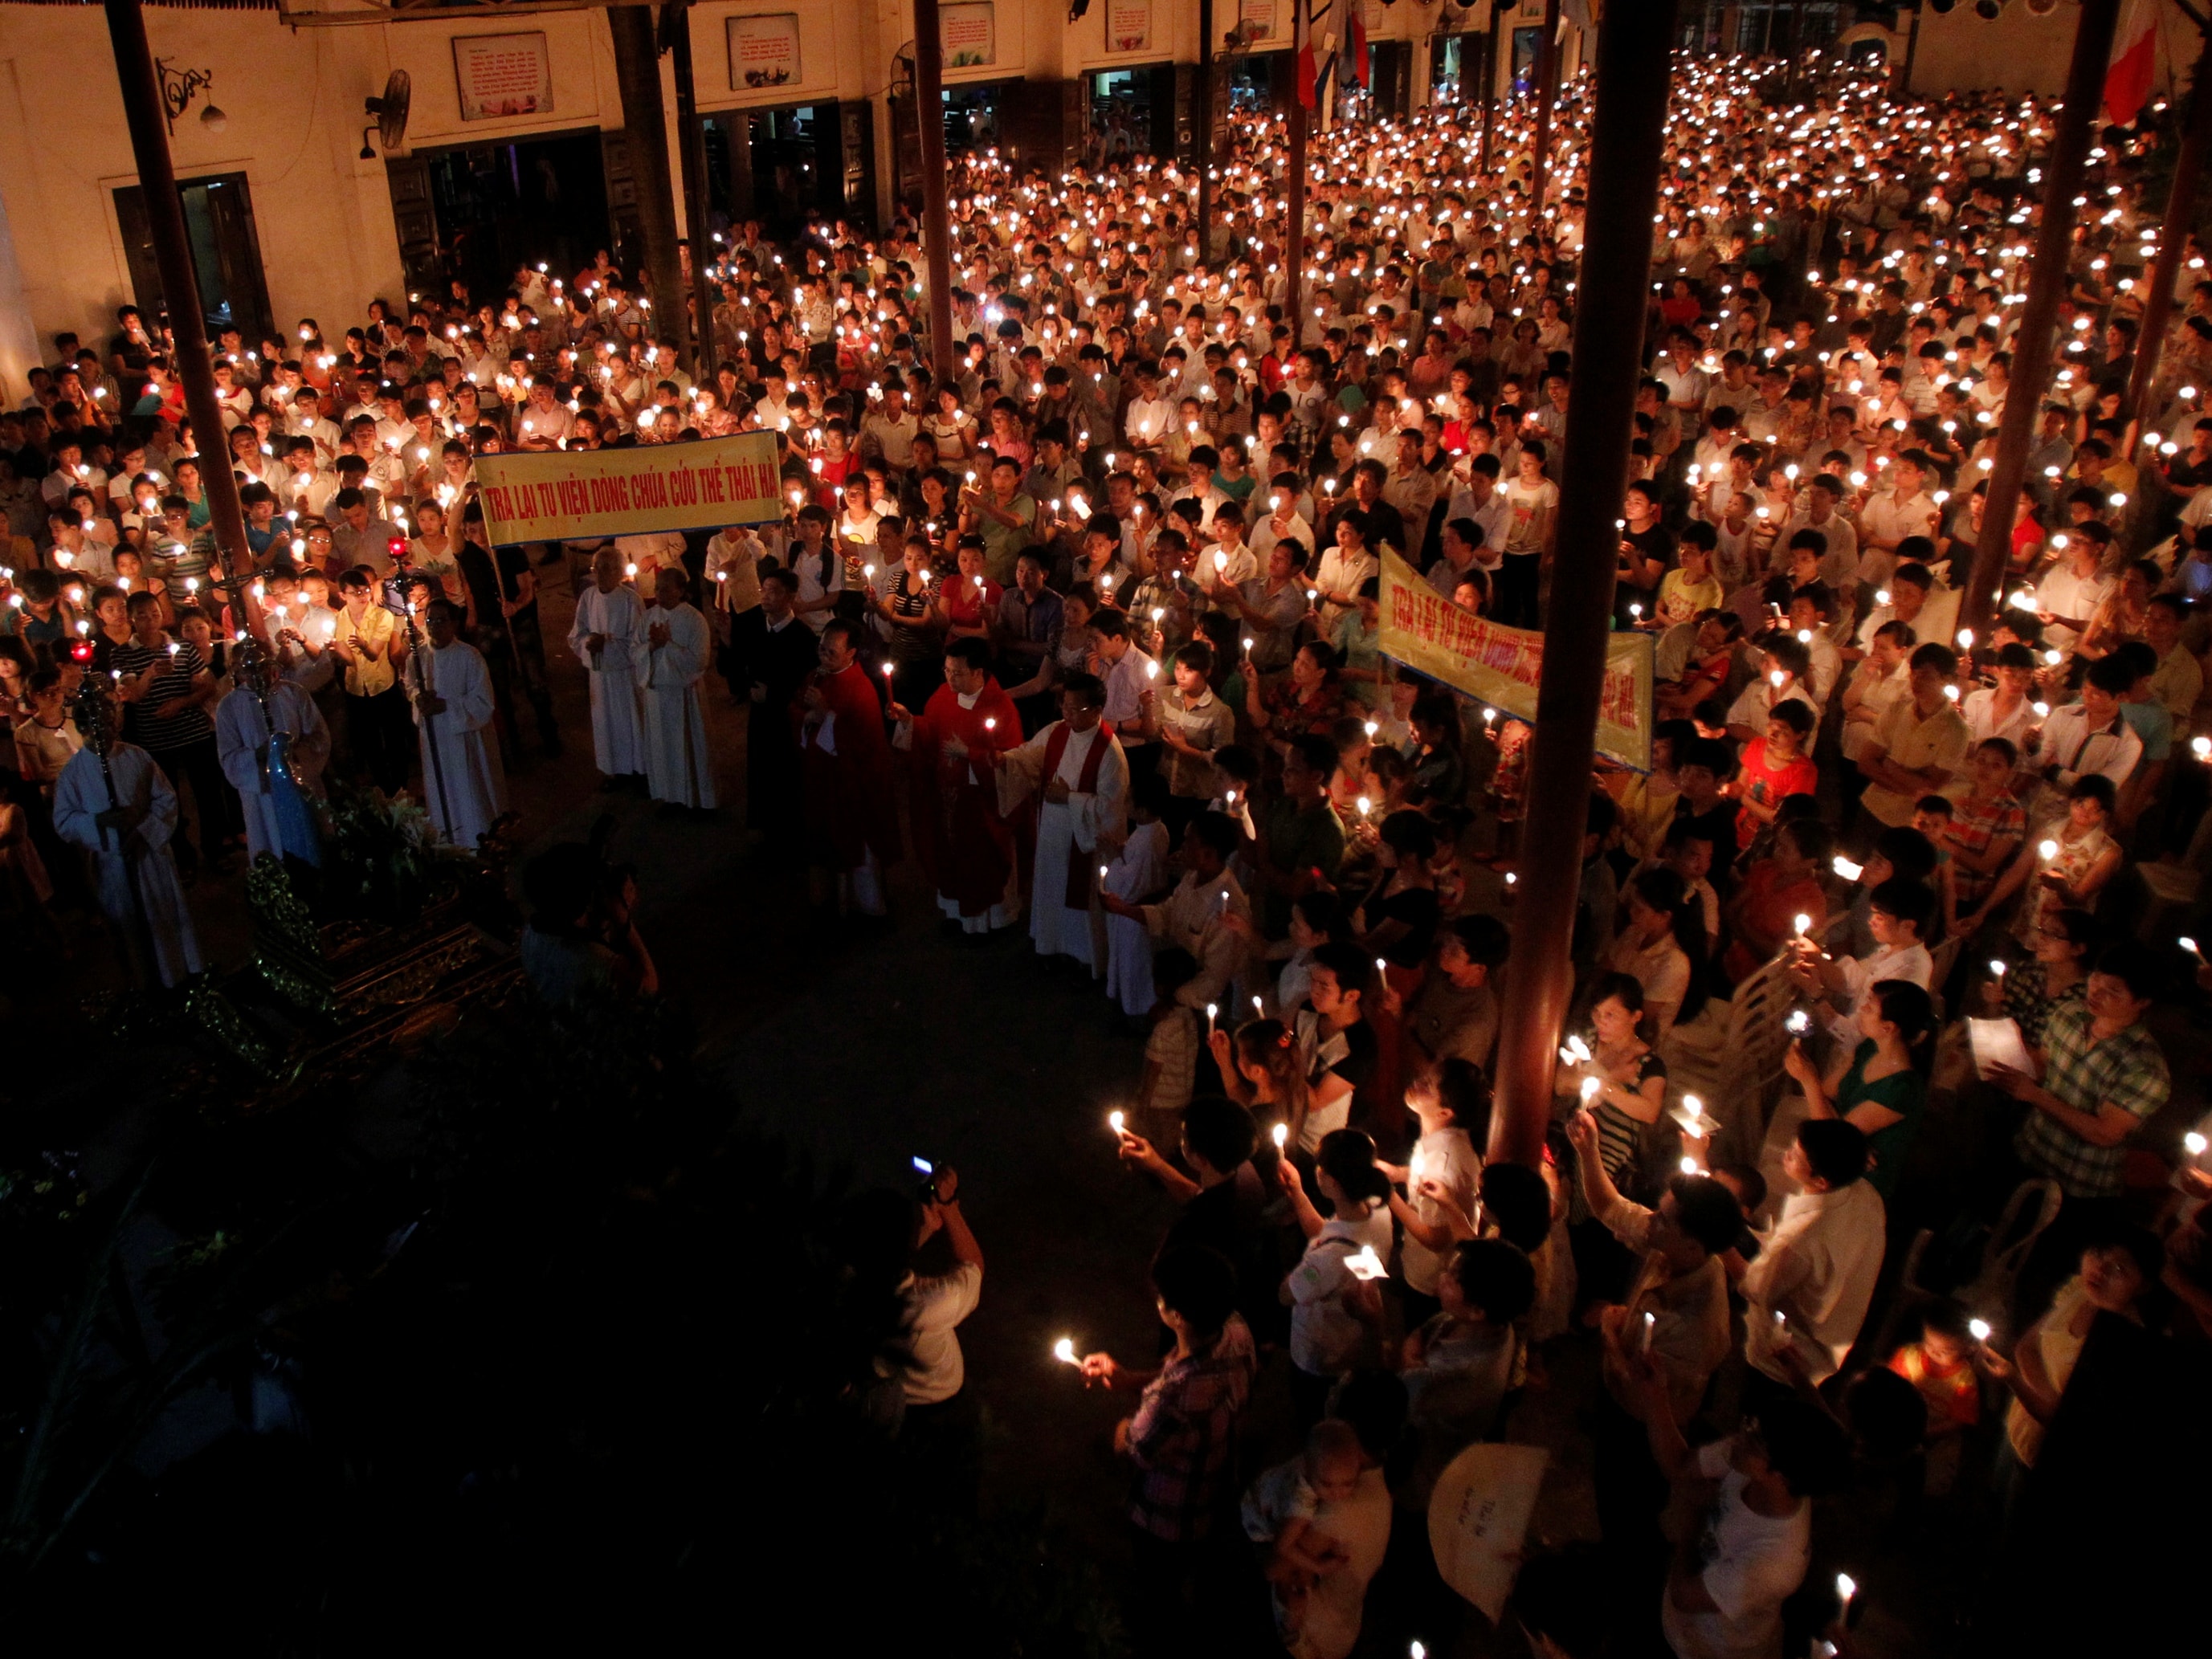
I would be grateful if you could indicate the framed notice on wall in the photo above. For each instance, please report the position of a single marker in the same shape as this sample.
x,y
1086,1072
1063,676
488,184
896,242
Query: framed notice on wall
x,y
1128,26
503,75
968,33
1266,18
764,52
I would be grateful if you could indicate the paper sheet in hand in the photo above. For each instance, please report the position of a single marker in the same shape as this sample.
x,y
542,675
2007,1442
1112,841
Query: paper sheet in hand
x,y
1479,1516
1997,1042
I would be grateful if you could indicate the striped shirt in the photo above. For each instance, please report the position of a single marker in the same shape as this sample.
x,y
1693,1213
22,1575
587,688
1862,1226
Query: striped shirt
x,y
161,722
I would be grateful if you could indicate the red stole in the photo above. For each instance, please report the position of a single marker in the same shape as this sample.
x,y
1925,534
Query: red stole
x,y
847,795
967,847
1077,894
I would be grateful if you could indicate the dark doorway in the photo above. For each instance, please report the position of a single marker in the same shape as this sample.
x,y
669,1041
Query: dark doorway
x,y
1527,43
1121,112
226,253
776,165
971,119
479,212
1258,79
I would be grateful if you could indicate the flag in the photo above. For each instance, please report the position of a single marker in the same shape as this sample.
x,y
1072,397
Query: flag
x,y
2134,61
1302,37
1577,12
1356,40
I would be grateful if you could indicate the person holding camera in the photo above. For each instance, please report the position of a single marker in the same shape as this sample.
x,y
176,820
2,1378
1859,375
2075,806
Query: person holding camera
x,y
935,1371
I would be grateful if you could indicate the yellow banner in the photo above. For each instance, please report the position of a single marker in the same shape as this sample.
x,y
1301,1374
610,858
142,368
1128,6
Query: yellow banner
x,y
1502,665
565,495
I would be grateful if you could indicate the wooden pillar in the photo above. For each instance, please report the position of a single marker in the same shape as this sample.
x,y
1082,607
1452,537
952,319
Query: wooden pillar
x,y
693,154
2180,213
181,287
1627,124
645,128
2046,286
936,220
1202,123
1548,73
1490,85
1294,238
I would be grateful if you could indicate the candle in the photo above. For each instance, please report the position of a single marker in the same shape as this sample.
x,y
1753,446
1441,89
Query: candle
x,y
1064,1351
2189,945
1997,966
1259,1009
1844,867
1804,924
1650,1321
2196,1143
1115,1120
1979,1330
1799,1021
1846,1586
2047,850
1281,1132
1212,1009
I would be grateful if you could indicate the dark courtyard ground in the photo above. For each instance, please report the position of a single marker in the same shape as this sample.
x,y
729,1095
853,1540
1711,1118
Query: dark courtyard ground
x,y
867,1048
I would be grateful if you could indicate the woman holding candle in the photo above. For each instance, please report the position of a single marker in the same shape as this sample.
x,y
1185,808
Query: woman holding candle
x,y
2071,864
1885,1090
1630,1076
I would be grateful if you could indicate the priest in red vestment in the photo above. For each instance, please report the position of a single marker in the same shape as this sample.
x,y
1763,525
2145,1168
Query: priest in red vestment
x,y
845,776
965,846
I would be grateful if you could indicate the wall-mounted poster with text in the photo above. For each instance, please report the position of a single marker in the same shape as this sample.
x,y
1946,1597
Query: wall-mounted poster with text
x,y
503,75
968,33
1128,26
1267,20
764,52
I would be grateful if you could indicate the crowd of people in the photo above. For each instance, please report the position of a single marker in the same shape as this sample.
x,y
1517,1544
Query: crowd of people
x,y
1092,628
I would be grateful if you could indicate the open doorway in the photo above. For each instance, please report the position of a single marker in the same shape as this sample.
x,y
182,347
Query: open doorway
x,y
504,206
771,165
226,253
971,118
476,213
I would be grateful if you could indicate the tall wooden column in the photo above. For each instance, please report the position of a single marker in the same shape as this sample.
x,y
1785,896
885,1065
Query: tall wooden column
x,y
2046,286
2174,221
936,219
180,284
1547,76
1628,122
645,130
691,151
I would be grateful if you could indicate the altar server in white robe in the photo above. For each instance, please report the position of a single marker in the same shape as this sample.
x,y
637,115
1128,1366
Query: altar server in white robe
x,y
677,644
608,637
1081,778
453,711
242,736
129,845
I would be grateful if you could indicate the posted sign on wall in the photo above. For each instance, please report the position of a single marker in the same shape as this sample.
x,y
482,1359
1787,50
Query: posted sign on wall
x,y
564,494
503,75
1502,665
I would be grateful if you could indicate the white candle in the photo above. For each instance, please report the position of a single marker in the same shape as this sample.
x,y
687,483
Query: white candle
x,y
1281,1132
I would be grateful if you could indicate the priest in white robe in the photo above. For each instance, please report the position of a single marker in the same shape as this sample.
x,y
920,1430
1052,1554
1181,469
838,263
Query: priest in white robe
x,y
677,644
136,875
608,637
242,736
451,688
1081,778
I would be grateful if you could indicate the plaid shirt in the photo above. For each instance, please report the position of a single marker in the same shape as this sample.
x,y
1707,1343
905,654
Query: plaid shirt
x,y
2128,1069
1972,829
1184,1435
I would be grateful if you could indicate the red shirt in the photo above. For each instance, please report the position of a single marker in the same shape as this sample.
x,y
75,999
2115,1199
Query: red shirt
x,y
1767,785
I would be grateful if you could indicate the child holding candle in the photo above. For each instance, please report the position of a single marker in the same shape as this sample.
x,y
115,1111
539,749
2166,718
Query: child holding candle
x,y
1451,1101
1332,1311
